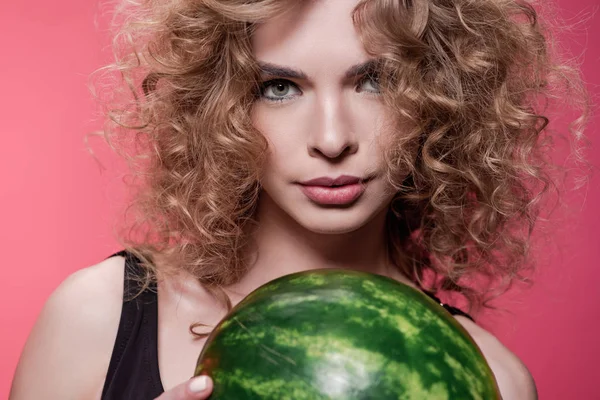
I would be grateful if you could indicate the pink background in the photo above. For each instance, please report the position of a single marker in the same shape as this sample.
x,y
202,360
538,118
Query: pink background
x,y
58,207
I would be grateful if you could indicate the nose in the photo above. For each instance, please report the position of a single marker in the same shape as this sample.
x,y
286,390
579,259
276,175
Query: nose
x,y
332,135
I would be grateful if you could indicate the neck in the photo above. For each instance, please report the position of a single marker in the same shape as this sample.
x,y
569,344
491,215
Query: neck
x,y
284,247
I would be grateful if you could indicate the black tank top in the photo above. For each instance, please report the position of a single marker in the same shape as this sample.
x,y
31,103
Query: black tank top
x,y
133,370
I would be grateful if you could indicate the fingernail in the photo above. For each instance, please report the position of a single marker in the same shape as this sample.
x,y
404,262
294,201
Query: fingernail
x,y
199,384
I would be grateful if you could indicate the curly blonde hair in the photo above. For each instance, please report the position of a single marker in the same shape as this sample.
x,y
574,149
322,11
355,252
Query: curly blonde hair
x,y
473,80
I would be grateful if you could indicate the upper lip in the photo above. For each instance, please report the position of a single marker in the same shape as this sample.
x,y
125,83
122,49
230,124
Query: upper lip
x,y
327,181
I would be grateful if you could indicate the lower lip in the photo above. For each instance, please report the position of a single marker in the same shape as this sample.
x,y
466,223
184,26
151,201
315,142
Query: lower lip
x,y
340,195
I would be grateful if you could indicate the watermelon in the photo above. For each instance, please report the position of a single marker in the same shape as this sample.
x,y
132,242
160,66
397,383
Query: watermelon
x,y
338,334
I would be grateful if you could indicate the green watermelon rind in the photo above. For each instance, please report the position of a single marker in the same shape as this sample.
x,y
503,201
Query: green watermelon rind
x,y
453,364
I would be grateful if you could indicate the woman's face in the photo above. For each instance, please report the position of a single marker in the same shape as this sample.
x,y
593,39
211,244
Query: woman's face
x,y
323,118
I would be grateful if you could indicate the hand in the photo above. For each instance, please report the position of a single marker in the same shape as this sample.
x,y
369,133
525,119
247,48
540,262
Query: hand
x,y
197,388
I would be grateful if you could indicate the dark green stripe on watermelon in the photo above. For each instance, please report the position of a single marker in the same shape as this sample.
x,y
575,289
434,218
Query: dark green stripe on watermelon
x,y
334,334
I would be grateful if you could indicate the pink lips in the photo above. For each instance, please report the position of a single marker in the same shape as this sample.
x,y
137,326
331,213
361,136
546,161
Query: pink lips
x,y
329,191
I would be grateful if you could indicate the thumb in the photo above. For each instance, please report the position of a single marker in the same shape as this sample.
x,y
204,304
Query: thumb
x,y
197,388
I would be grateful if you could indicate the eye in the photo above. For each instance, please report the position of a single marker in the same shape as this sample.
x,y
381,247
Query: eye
x,y
278,90
369,83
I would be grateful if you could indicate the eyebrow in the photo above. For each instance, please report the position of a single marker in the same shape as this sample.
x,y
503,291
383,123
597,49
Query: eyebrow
x,y
354,71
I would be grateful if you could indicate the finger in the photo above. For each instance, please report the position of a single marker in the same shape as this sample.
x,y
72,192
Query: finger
x,y
197,388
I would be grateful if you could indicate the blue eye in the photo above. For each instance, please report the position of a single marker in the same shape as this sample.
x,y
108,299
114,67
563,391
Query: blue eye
x,y
278,90
374,83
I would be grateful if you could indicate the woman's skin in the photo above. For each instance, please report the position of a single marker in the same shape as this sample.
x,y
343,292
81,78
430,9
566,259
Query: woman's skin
x,y
328,124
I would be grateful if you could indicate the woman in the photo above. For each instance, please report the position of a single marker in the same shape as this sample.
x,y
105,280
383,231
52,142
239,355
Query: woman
x,y
404,138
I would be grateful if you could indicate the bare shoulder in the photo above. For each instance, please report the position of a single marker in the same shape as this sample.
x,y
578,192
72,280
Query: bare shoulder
x,y
68,350
514,379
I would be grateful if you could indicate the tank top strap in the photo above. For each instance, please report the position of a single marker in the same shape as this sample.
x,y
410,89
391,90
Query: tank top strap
x,y
451,309
133,369
133,275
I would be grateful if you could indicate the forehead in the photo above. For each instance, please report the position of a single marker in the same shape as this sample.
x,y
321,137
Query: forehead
x,y
310,32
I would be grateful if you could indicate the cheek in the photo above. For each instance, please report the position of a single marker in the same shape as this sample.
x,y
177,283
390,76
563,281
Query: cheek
x,y
284,130
381,134
370,118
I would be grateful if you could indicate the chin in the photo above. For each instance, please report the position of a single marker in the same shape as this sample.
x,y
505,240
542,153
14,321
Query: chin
x,y
333,221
